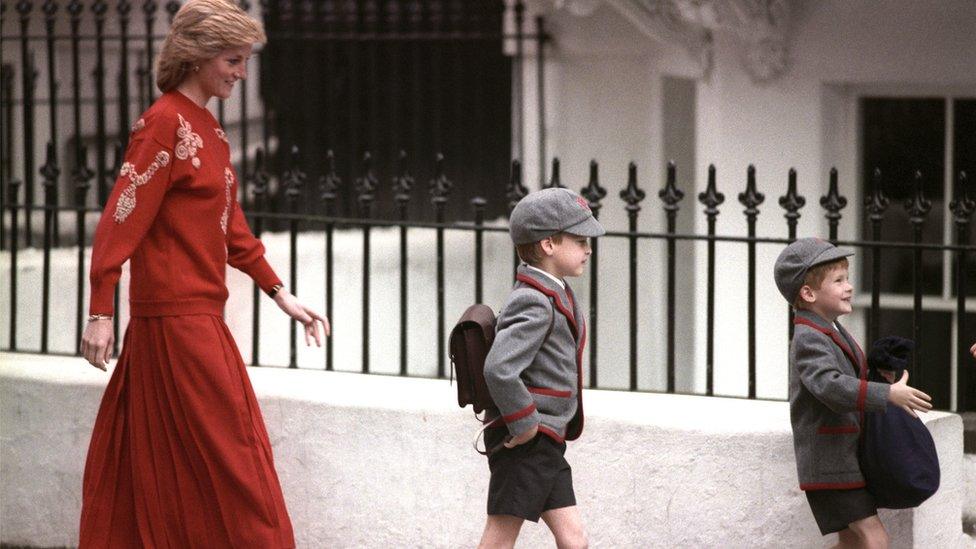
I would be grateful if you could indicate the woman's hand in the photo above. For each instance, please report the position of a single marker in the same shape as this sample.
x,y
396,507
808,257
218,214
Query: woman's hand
x,y
96,342
309,318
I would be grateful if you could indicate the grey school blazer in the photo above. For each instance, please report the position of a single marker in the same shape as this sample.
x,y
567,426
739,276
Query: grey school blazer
x,y
535,379
829,393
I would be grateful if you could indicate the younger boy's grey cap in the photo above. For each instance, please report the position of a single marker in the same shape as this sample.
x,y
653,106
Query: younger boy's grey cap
x,y
797,258
544,213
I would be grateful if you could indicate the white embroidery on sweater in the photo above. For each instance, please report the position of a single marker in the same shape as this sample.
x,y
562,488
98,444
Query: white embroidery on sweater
x,y
189,143
228,184
222,135
127,200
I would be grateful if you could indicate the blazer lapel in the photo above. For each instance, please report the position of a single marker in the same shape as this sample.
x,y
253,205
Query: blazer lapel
x,y
562,299
854,355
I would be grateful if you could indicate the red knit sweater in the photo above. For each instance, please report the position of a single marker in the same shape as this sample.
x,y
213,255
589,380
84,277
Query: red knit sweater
x,y
174,215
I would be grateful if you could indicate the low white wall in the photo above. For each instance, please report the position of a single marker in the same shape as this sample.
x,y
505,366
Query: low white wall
x,y
379,461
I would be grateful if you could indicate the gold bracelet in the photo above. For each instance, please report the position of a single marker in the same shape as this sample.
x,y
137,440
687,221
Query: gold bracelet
x,y
274,290
92,318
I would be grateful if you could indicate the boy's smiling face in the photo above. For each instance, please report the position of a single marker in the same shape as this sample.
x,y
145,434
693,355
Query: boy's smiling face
x,y
833,298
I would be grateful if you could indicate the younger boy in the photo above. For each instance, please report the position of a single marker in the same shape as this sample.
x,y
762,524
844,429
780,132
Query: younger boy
x,y
829,392
534,372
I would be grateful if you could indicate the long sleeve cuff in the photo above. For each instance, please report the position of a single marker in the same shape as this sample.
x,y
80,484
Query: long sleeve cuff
x,y
876,397
261,272
102,300
520,421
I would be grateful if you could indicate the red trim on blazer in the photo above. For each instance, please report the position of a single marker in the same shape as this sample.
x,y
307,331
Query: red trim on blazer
x,y
862,394
551,434
549,392
832,485
857,360
837,430
555,298
579,335
515,416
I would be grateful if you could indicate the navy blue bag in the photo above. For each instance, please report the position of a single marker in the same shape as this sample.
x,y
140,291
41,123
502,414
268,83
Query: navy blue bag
x,y
898,457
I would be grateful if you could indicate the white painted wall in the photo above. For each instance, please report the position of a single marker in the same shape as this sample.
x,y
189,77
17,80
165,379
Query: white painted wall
x,y
378,461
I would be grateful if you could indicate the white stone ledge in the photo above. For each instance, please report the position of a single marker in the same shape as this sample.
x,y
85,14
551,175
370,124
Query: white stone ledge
x,y
378,461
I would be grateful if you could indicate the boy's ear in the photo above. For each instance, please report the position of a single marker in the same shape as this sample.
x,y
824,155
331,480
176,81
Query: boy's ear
x,y
547,245
806,294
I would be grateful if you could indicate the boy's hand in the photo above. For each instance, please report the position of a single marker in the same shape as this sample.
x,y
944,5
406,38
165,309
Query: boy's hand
x,y
973,350
909,398
523,437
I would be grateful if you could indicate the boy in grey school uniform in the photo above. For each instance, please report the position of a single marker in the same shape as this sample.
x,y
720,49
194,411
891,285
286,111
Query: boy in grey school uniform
x,y
829,392
534,372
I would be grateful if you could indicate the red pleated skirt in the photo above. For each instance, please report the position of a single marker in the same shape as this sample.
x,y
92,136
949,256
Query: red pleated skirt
x,y
179,455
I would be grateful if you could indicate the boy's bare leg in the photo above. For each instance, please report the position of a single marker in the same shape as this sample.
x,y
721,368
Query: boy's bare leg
x,y
870,532
501,531
846,539
567,527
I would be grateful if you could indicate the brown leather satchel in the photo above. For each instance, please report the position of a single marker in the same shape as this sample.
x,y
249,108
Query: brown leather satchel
x,y
468,347
469,343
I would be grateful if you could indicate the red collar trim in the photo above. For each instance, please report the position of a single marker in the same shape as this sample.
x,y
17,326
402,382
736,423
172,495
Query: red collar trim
x,y
857,359
557,300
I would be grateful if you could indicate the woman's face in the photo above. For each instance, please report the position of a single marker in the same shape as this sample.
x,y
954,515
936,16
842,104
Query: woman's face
x,y
217,76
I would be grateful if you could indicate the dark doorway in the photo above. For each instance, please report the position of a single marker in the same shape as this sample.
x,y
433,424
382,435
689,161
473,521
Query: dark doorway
x,y
425,77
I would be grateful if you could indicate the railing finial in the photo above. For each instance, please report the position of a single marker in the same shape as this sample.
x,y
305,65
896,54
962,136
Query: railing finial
x,y
515,190
632,194
593,192
440,186
671,194
918,205
403,182
711,198
555,181
751,198
792,201
366,184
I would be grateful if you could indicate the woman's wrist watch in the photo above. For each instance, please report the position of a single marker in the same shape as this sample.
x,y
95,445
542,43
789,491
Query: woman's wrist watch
x,y
274,290
92,318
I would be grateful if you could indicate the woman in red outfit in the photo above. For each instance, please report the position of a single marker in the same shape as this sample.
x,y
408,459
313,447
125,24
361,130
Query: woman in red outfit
x,y
179,455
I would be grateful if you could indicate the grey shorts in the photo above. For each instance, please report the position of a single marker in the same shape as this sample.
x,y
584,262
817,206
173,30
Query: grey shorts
x,y
835,509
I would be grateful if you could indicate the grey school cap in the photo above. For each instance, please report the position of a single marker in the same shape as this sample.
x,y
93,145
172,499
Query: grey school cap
x,y
797,258
544,213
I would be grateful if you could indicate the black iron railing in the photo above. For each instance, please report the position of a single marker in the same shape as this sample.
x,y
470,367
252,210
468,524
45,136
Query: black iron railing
x,y
279,194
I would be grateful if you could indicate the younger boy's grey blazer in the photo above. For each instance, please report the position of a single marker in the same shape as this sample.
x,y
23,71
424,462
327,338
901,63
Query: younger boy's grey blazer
x,y
829,393
534,378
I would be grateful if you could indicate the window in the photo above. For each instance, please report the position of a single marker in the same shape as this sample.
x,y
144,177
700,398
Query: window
x,y
936,136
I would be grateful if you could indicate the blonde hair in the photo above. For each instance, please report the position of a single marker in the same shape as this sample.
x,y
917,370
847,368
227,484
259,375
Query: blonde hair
x,y
200,31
